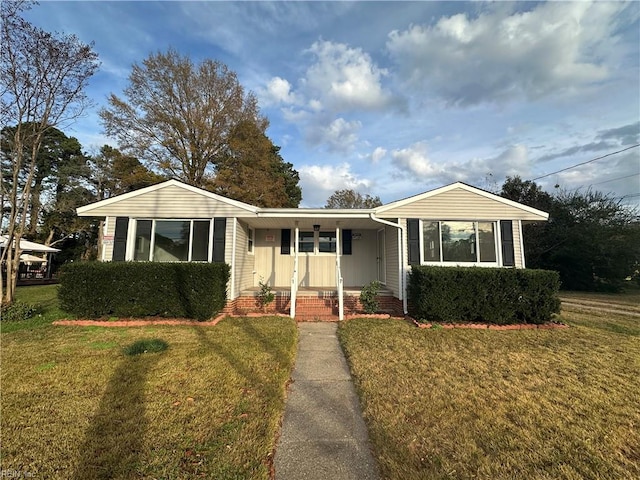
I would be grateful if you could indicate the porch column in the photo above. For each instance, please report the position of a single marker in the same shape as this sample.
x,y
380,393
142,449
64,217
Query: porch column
x,y
294,278
339,279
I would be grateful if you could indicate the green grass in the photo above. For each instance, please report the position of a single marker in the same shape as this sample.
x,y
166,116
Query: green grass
x,y
482,404
75,406
45,298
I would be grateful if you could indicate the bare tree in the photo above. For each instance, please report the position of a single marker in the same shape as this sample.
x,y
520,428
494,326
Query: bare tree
x,y
43,81
178,115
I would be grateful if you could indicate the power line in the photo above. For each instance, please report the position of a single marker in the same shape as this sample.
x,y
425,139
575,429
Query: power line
x,y
588,161
614,179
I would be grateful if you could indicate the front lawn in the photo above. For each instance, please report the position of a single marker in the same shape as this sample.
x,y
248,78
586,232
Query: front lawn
x,y
629,298
530,404
45,299
75,406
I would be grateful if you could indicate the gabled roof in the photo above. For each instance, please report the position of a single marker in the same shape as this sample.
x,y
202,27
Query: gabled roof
x,y
261,217
87,209
459,185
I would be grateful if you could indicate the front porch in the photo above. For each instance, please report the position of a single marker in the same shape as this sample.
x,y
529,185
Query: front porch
x,y
313,303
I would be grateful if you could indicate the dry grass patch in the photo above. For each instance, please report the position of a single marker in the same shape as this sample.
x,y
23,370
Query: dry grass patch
x,y
75,406
530,404
630,298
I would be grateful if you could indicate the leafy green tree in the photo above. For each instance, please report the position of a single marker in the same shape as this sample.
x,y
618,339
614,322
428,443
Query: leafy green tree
x,y
253,171
591,238
349,198
59,158
178,116
114,173
291,178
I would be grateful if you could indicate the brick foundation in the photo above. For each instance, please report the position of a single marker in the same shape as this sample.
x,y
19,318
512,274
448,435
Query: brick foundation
x,y
320,306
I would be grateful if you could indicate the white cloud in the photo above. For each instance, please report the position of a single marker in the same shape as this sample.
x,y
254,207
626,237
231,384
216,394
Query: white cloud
x,y
320,181
414,161
513,161
339,136
378,154
339,79
345,78
555,48
278,91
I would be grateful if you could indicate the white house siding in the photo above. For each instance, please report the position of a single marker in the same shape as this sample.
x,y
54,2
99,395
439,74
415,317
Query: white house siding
x,y
314,270
169,202
244,261
392,256
459,204
109,231
517,250
271,267
360,267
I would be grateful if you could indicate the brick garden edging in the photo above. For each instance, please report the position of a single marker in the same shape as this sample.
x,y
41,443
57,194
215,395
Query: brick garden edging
x,y
137,323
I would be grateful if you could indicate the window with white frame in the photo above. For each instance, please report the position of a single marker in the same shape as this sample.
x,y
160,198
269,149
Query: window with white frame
x,y
173,240
327,242
251,235
306,242
317,242
459,242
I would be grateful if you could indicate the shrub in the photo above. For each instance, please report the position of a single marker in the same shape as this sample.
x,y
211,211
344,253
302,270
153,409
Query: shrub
x,y
153,345
369,297
141,289
17,311
265,295
487,295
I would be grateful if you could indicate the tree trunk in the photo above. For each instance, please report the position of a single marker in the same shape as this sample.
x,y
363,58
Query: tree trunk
x,y
36,204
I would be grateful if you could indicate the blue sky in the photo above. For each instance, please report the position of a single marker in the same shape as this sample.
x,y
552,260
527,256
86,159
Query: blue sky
x,y
396,98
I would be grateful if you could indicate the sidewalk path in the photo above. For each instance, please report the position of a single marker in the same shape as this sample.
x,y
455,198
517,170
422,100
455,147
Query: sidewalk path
x,y
323,435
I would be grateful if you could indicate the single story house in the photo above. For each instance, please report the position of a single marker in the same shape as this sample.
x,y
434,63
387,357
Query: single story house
x,y
315,260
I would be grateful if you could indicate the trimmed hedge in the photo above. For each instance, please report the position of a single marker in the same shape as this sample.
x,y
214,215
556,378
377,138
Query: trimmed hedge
x,y
485,295
143,289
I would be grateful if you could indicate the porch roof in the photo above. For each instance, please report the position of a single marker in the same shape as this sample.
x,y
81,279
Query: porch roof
x,y
306,218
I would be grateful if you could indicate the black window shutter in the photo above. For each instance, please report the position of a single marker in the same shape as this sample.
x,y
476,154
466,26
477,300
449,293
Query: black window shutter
x,y
285,241
347,238
219,236
506,232
120,239
413,241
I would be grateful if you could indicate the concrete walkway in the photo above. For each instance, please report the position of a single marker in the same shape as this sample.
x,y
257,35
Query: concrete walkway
x,y
323,435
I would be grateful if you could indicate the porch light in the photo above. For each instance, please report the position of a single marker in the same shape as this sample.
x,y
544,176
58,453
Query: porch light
x,y
316,228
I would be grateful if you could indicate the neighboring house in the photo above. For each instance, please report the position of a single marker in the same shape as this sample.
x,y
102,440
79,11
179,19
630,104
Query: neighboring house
x,y
315,260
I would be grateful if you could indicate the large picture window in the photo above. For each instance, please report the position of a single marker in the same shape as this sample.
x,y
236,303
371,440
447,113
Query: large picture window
x,y
173,240
458,242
